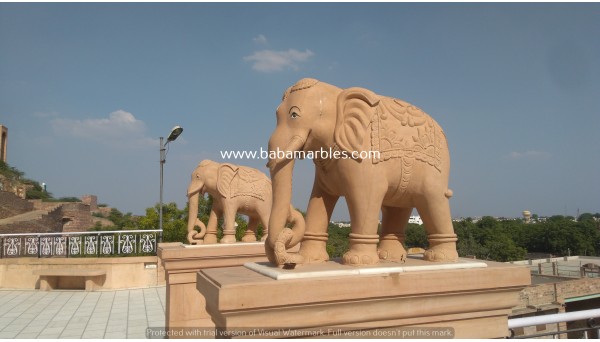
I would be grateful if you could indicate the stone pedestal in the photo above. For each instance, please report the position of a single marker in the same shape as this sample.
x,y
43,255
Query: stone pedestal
x,y
185,305
467,299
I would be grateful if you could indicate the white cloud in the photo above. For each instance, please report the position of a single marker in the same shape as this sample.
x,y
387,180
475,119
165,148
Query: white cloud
x,y
529,155
121,128
261,40
270,60
44,115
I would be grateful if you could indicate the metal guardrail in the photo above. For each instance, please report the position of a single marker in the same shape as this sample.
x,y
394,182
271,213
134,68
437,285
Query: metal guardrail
x,y
591,317
80,244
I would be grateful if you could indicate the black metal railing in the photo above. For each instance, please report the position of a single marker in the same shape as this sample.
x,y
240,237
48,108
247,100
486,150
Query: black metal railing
x,y
80,244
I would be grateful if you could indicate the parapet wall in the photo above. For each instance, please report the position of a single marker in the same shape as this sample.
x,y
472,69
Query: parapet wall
x,y
121,273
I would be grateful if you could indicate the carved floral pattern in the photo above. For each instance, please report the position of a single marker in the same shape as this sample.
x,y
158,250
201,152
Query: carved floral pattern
x,y
401,130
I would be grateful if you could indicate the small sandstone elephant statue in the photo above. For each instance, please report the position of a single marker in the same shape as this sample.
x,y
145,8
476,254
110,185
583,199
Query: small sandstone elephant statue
x,y
233,189
408,168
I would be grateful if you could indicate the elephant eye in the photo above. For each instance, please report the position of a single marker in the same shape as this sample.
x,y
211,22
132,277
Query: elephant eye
x,y
294,112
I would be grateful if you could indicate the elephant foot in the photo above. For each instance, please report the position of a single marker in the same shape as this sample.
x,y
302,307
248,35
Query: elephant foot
x,y
363,250
228,239
442,248
210,239
249,238
314,251
391,250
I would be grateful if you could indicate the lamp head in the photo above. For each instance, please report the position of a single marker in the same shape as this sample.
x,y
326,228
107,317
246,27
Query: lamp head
x,y
175,132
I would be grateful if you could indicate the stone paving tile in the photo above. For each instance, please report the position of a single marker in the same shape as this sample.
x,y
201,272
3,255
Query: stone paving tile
x,y
93,334
14,327
27,335
80,315
51,332
8,334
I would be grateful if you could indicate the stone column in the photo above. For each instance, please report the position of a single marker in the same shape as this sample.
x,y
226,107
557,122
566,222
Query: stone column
x,y
186,307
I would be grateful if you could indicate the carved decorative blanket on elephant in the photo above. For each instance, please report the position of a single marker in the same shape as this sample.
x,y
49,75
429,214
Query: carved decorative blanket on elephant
x,y
249,182
401,130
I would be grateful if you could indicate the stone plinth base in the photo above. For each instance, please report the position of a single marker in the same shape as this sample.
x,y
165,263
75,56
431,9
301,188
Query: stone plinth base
x,y
467,299
185,305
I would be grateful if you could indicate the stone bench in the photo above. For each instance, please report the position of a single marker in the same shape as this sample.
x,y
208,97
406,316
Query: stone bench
x,y
49,277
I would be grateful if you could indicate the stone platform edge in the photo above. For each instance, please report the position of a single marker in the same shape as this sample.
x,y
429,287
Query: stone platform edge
x,y
335,269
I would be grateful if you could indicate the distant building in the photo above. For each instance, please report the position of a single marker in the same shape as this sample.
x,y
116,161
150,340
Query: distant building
x,y
527,216
559,285
415,220
341,224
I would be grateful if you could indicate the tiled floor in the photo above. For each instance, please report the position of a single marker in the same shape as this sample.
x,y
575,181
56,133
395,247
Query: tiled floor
x,y
80,314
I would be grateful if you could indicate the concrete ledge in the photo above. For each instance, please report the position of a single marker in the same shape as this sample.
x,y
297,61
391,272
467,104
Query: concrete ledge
x,y
475,302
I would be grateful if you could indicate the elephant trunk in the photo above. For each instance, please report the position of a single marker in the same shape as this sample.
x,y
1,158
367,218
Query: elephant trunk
x,y
282,213
286,237
295,144
193,220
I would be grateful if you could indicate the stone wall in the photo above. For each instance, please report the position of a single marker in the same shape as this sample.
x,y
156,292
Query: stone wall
x,y
51,223
91,200
11,204
76,217
121,273
544,294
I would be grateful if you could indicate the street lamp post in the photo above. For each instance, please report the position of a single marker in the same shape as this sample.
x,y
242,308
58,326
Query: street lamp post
x,y
175,132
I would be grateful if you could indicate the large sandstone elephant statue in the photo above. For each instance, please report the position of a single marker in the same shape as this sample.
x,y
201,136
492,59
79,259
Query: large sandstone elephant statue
x,y
234,189
408,168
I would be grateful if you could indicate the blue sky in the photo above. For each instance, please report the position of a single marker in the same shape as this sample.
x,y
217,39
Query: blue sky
x,y
87,89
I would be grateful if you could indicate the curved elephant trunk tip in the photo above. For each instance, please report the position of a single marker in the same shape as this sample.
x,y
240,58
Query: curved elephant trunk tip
x,y
288,238
282,257
194,237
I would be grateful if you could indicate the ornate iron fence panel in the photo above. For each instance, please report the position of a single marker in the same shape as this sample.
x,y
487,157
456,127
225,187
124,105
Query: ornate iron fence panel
x,y
80,244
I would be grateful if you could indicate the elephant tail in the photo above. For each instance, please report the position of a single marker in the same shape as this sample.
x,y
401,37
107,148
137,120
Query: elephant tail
x,y
448,193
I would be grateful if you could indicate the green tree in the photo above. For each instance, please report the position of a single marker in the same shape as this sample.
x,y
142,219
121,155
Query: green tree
x,y
338,242
415,236
500,247
174,222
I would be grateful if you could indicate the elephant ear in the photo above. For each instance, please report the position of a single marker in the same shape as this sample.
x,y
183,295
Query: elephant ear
x,y
355,109
225,175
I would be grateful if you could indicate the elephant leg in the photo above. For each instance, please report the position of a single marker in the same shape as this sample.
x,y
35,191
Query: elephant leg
x,y
229,212
264,219
435,212
250,234
393,223
211,228
364,204
318,215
